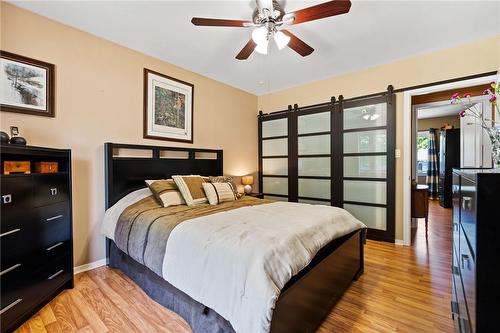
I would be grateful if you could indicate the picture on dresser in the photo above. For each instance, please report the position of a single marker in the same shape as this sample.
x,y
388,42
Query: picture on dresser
x,y
168,108
26,85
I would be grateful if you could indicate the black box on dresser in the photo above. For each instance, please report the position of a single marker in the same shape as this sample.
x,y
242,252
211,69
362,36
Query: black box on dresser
x,y
36,234
475,251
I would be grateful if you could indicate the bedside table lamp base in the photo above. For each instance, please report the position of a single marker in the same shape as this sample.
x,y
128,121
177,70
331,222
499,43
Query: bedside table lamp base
x,y
248,189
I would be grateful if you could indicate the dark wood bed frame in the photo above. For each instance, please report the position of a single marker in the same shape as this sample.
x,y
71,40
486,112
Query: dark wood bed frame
x,y
309,296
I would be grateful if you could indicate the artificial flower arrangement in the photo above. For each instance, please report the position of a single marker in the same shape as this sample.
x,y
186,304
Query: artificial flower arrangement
x,y
491,126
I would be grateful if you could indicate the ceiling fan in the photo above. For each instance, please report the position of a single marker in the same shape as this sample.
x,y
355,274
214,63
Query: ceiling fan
x,y
269,18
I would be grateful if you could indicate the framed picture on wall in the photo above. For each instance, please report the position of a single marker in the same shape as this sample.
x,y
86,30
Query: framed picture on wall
x,y
168,108
26,85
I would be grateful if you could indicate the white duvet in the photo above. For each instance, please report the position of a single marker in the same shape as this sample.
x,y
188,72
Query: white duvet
x,y
237,262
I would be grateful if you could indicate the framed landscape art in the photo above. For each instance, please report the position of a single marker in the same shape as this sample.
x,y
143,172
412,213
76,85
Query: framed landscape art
x,y
26,85
168,108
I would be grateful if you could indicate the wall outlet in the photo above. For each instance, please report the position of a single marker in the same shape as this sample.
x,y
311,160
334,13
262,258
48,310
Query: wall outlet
x,y
398,153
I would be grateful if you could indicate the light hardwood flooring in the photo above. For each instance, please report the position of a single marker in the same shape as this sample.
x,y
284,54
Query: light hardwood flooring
x,y
403,289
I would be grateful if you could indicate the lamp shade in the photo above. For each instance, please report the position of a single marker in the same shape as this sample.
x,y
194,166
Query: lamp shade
x,y
247,180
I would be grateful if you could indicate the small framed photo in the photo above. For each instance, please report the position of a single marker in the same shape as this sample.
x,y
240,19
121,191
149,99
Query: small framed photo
x,y
168,108
26,85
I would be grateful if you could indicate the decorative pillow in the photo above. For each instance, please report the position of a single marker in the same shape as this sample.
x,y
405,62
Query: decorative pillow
x,y
226,179
191,189
219,192
166,192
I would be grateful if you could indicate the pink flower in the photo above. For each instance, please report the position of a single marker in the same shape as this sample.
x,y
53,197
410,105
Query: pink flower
x,y
462,113
487,92
493,98
467,95
455,96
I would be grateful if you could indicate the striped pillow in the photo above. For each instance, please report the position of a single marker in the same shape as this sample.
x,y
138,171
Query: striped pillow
x,y
219,192
166,192
191,189
226,179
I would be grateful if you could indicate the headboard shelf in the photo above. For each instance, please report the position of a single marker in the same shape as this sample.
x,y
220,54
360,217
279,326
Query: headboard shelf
x,y
125,174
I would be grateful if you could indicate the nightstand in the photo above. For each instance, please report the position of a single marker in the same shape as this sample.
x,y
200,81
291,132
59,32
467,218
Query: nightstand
x,y
256,195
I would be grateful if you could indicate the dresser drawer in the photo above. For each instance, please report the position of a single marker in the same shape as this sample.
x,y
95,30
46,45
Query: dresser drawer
x,y
52,276
16,196
468,274
49,189
52,224
468,211
16,244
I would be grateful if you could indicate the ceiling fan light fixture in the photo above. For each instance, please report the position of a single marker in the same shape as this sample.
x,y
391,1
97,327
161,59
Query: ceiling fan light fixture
x,y
262,47
281,40
259,35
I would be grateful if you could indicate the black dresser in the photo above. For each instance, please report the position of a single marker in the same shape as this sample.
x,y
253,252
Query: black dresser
x,y
476,250
36,234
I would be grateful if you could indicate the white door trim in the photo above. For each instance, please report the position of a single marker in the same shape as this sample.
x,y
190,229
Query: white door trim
x,y
407,133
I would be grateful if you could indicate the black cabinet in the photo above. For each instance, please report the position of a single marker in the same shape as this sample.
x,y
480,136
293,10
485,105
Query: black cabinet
x,y
476,244
36,234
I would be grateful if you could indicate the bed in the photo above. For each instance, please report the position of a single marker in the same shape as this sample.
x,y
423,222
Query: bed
x,y
305,299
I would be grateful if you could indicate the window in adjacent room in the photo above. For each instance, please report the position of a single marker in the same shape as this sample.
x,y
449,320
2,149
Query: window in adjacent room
x,y
422,152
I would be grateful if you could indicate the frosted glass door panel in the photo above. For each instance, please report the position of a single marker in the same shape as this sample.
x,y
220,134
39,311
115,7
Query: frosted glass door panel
x,y
373,217
365,116
365,142
314,202
276,127
314,188
275,147
313,123
273,185
365,166
272,197
275,166
312,145
365,191
314,166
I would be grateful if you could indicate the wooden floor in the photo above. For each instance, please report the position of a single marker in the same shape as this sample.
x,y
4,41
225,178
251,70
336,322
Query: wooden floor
x,y
403,289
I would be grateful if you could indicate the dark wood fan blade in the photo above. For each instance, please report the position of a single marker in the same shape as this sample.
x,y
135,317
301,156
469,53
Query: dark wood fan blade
x,y
247,50
297,44
327,9
218,22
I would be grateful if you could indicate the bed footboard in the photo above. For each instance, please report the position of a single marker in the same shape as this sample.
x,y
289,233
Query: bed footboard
x,y
308,298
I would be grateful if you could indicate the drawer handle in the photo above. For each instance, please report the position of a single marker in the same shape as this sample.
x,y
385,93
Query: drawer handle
x,y
53,218
465,258
6,199
54,246
9,232
11,305
55,274
53,191
466,203
11,268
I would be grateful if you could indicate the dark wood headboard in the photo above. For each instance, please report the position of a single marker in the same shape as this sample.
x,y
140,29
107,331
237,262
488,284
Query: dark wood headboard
x,y
125,174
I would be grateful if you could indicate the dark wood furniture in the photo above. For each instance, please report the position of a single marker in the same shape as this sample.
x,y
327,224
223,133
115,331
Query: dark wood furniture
x,y
306,299
449,158
420,204
256,195
36,234
476,230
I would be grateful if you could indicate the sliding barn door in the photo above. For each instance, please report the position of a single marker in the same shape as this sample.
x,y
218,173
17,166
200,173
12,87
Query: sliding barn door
x,y
339,153
368,163
273,150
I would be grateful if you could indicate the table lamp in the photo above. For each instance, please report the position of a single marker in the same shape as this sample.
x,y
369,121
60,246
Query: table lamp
x,y
247,181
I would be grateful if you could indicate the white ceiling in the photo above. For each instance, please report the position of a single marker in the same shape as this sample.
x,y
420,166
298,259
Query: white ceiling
x,y
373,33
439,111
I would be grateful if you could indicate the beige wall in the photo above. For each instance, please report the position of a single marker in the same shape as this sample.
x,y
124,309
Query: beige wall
x,y
99,98
424,124
473,58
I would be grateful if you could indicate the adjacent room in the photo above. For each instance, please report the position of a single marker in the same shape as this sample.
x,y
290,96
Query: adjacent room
x,y
249,166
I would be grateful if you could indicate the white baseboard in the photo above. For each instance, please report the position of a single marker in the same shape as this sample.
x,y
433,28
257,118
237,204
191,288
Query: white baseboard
x,y
399,242
90,265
